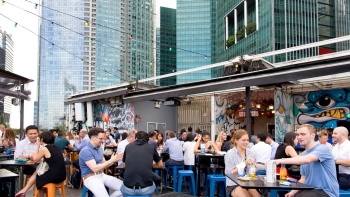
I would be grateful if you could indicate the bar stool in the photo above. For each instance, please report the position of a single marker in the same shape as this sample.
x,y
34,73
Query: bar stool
x,y
344,193
84,190
183,174
50,189
212,179
174,168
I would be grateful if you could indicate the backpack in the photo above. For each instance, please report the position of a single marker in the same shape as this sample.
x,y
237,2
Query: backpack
x,y
75,179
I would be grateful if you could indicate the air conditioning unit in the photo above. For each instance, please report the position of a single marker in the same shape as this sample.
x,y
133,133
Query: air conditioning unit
x,y
15,101
172,103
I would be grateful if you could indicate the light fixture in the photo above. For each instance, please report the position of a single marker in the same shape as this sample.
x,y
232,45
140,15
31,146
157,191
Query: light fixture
x,y
254,112
273,111
241,113
137,118
258,106
205,114
157,104
270,106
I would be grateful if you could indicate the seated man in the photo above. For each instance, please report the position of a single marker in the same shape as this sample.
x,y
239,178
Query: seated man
x,y
341,154
61,142
92,164
174,148
138,159
261,151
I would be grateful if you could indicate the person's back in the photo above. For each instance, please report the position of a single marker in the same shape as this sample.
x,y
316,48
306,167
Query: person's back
x,y
61,142
321,174
174,148
262,152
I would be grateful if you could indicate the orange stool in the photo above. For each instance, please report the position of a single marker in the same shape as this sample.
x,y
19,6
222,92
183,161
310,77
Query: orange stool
x,y
50,189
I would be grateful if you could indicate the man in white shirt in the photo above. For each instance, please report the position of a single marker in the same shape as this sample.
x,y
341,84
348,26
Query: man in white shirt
x,y
81,140
2,130
322,139
274,145
261,151
341,154
128,140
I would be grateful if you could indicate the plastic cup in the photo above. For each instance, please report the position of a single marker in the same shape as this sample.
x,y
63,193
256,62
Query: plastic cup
x,y
240,171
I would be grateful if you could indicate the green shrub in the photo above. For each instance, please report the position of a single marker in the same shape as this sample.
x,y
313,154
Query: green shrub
x,y
251,27
230,41
240,34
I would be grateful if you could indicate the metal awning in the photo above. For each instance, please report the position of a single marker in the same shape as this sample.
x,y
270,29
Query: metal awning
x,y
9,80
96,96
290,71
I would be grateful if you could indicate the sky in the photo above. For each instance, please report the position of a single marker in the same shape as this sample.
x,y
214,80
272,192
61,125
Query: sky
x,y
26,47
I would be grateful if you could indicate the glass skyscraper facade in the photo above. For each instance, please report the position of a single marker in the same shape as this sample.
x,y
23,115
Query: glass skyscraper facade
x,y
168,45
261,26
193,34
60,73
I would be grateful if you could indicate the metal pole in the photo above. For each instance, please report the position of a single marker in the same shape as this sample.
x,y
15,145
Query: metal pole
x,y
247,112
21,119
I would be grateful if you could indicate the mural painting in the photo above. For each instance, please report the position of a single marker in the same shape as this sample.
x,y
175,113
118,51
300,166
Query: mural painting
x,y
284,114
325,108
121,116
226,114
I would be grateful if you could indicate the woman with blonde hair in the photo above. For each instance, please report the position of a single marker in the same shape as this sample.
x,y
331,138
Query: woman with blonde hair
x,y
238,154
220,140
9,138
70,138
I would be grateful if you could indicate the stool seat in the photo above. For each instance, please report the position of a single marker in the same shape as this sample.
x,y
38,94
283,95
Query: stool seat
x,y
84,190
212,179
51,189
187,173
174,168
344,193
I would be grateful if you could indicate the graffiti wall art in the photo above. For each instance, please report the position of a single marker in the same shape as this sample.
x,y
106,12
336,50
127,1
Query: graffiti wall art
x,y
325,108
121,116
284,114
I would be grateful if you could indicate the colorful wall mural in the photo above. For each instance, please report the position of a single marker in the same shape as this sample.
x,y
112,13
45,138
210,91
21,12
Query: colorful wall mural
x,y
325,108
226,114
121,116
284,114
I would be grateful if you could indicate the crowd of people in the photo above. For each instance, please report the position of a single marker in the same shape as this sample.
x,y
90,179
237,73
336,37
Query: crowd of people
x,y
139,152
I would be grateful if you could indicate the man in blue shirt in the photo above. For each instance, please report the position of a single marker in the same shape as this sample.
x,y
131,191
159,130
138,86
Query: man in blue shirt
x,y
62,142
317,166
82,140
174,148
92,164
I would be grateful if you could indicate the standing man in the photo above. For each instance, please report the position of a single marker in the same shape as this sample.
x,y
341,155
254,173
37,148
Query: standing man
x,y
138,160
116,134
61,142
92,164
261,151
174,148
274,145
317,166
2,130
341,154
152,139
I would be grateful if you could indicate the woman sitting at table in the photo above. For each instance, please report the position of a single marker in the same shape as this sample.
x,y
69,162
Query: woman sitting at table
x,y
9,138
53,157
235,156
160,141
221,140
286,149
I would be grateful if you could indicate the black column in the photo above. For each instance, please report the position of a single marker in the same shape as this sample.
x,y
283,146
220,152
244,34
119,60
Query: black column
x,y
21,119
248,120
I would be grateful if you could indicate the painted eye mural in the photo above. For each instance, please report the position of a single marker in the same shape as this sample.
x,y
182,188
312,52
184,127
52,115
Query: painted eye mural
x,y
325,108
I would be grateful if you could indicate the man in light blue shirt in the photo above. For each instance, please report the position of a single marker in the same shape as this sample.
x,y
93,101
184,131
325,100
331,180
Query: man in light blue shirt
x,y
274,145
317,166
83,141
174,148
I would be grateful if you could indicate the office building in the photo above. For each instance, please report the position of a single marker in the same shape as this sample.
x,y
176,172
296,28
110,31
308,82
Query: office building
x,y
6,63
194,24
250,27
167,45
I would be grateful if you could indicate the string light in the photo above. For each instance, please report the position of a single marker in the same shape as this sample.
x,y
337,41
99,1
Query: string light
x,y
86,23
15,25
170,49
3,3
130,38
36,6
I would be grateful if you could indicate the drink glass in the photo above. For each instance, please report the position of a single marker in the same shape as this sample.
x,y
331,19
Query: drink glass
x,y
252,171
240,171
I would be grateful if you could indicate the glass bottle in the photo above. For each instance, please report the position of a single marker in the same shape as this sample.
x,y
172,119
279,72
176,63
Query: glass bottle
x,y
283,173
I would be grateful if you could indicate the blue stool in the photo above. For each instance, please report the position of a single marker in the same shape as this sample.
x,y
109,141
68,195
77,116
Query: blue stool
x,y
174,169
84,190
157,172
139,196
273,192
344,193
261,172
212,179
183,174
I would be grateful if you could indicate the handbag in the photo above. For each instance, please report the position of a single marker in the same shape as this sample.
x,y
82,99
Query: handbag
x,y
42,167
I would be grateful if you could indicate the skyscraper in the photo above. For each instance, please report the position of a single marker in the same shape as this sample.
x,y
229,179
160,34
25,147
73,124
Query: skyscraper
x,y
6,63
118,44
257,26
167,45
193,34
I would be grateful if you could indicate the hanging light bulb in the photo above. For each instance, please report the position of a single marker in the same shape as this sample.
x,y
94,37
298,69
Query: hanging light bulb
x,y
258,105
130,38
91,41
81,60
170,49
15,25
86,23
3,3
36,6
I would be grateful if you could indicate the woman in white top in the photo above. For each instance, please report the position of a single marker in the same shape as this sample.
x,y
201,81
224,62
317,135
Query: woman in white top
x,y
204,139
220,140
188,150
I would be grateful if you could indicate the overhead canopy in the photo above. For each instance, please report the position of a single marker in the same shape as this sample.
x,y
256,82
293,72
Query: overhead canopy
x,y
9,80
290,71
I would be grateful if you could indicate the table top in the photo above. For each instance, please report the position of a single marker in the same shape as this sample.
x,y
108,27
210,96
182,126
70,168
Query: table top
x,y
259,184
153,168
209,155
14,163
7,174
